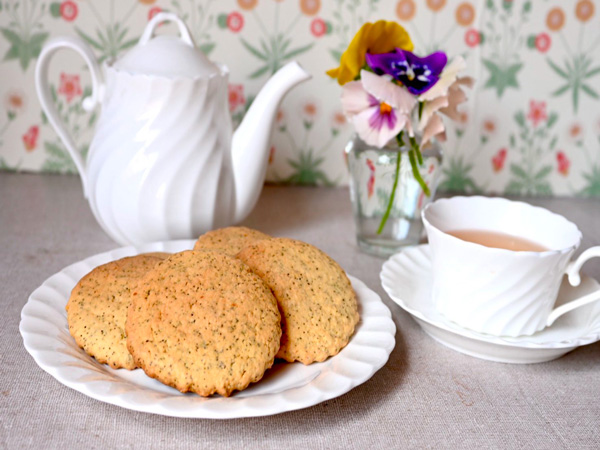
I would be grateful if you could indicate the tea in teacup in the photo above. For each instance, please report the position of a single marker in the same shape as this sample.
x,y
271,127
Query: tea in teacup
x,y
495,239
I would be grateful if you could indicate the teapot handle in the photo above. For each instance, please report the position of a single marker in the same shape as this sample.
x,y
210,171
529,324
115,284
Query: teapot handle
x,y
45,96
167,17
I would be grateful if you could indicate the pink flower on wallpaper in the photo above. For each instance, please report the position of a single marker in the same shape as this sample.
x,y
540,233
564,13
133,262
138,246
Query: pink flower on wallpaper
x,y
68,10
153,11
406,9
472,37
371,181
69,86
338,121
318,27
235,21
576,132
499,159
280,119
542,42
14,102
488,126
310,7
272,154
248,5
584,10
236,96
563,163
436,5
30,138
465,14
537,112
555,19
309,110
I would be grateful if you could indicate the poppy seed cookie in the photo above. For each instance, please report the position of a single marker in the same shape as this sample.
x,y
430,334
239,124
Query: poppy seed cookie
x,y
202,321
316,300
229,240
161,255
97,308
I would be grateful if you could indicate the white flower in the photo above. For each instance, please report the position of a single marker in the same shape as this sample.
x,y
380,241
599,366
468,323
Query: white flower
x,y
443,97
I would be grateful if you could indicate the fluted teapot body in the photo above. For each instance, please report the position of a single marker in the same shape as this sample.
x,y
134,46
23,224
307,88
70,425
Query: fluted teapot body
x,y
163,163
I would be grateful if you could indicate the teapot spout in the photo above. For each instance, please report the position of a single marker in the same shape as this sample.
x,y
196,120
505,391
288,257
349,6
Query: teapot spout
x,y
250,144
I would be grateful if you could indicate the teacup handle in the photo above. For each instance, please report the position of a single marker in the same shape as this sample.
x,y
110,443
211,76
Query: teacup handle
x,y
45,95
574,278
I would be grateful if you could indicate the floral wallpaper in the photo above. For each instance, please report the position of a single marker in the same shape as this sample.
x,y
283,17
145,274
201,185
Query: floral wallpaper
x,y
531,126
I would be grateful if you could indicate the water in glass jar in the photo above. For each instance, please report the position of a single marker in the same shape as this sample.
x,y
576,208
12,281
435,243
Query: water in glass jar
x,y
372,179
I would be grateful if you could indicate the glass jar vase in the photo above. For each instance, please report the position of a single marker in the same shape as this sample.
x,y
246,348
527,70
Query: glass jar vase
x,y
387,207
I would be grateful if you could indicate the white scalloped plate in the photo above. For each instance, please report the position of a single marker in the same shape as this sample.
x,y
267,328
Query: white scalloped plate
x,y
285,387
407,279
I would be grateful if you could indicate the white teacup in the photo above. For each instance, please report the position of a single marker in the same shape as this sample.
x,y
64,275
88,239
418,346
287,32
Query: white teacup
x,y
494,290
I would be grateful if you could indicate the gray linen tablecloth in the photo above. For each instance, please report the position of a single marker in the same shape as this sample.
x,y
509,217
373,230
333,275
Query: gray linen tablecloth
x,y
426,396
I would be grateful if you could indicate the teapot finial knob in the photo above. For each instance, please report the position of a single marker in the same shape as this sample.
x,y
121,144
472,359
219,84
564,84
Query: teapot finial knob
x,y
167,17
167,55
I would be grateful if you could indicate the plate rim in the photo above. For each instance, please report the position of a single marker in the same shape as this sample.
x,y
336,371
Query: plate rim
x,y
385,341
423,249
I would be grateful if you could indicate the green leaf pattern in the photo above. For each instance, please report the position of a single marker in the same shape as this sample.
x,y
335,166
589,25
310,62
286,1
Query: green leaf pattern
x,y
576,76
503,26
273,48
534,146
457,176
24,32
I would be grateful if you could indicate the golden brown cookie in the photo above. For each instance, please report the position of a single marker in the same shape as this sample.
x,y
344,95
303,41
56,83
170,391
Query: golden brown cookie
x,y
202,321
316,300
161,255
229,240
97,308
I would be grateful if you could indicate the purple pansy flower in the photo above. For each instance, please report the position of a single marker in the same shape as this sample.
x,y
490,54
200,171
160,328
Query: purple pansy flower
x,y
417,74
378,108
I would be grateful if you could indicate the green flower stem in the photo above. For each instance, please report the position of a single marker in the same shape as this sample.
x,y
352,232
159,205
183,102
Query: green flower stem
x,y
392,195
415,147
417,151
416,173
416,159
399,139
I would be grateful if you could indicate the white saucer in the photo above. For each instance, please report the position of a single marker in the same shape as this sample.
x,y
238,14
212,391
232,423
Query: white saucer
x,y
407,279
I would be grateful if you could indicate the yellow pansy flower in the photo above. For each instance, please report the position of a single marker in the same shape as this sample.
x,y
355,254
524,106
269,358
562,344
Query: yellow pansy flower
x,y
378,37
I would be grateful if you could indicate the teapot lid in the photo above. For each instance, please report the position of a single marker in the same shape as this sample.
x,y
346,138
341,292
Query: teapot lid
x,y
168,56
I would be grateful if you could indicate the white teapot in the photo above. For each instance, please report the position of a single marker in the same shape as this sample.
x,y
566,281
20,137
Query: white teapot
x,y
164,162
